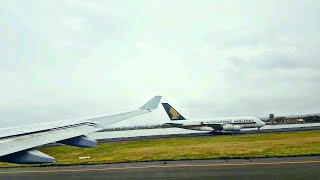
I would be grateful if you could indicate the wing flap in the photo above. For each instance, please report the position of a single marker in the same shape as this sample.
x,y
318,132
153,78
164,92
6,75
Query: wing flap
x,y
19,130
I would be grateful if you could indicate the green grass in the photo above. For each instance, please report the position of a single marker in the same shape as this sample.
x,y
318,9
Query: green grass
x,y
305,143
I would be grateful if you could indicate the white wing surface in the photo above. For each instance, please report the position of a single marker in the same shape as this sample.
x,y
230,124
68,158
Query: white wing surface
x,y
16,143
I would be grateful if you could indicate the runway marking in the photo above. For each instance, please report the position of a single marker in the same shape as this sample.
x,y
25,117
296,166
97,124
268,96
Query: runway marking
x,y
163,166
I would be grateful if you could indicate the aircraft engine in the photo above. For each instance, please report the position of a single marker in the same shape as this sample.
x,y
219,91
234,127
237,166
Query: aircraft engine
x,y
229,127
28,157
80,141
204,129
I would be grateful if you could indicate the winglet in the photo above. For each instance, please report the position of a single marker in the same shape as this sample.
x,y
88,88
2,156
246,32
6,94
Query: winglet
x,y
151,104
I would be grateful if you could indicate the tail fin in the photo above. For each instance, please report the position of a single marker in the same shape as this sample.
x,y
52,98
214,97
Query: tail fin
x,y
172,113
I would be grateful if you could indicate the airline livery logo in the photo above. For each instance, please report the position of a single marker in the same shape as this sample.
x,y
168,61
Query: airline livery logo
x,y
174,113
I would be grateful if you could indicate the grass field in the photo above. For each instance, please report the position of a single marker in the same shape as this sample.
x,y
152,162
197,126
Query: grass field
x,y
304,143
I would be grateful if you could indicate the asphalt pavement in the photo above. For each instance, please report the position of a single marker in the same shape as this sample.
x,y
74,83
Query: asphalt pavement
x,y
262,168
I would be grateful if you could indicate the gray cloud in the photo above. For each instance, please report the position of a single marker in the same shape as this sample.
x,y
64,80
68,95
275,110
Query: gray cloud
x,y
61,60
271,60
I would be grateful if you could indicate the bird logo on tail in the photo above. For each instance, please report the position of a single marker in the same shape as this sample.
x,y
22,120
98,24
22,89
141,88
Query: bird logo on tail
x,y
174,113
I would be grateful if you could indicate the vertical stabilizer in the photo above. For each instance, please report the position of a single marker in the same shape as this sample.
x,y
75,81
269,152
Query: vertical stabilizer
x,y
172,113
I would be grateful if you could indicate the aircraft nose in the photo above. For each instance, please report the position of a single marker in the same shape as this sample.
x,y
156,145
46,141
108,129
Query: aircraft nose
x,y
263,123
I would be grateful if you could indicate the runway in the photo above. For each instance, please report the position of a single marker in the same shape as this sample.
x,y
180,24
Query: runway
x,y
264,168
199,134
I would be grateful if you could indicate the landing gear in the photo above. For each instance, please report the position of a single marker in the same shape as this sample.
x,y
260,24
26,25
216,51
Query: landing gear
x,y
219,132
259,128
215,132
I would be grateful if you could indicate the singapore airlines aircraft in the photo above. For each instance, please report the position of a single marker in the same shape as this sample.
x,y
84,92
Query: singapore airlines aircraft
x,y
17,143
211,124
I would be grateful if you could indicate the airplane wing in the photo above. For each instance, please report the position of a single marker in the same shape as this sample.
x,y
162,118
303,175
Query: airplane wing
x,y
175,124
16,143
215,126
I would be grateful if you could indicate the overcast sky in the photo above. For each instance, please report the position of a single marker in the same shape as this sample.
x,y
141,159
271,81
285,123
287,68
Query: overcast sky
x,y
82,58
